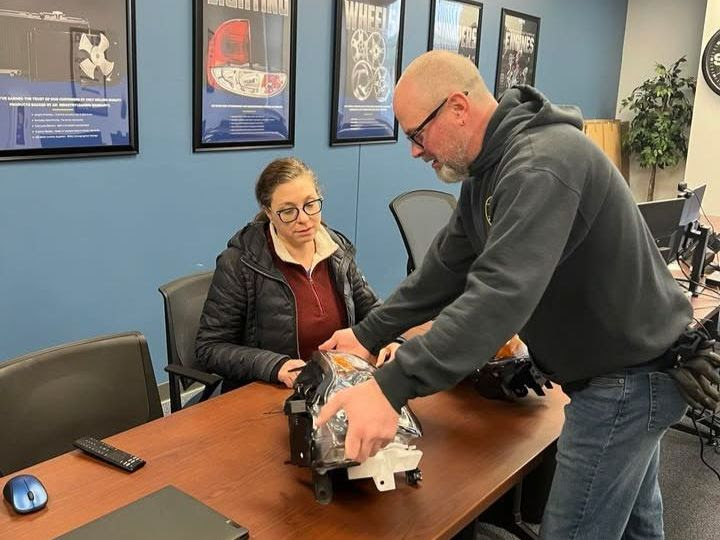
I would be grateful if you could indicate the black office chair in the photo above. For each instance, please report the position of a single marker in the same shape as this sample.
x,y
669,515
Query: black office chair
x,y
97,387
420,215
184,299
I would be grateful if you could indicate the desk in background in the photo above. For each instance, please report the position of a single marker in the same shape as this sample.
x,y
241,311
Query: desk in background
x,y
229,452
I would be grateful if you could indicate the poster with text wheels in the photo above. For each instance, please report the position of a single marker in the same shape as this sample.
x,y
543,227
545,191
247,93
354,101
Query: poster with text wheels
x,y
367,63
67,79
244,74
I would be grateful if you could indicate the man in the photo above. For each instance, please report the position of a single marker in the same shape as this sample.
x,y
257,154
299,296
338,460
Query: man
x,y
546,241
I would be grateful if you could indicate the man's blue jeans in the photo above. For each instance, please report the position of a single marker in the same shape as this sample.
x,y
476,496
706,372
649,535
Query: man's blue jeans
x,y
605,485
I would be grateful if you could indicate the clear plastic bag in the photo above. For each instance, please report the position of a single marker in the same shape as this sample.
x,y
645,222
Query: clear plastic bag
x,y
327,373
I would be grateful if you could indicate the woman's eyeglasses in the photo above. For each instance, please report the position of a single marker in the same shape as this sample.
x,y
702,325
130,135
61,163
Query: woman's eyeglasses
x,y
288,215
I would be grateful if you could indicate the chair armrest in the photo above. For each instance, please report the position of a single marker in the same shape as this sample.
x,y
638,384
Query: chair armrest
x,y
207,379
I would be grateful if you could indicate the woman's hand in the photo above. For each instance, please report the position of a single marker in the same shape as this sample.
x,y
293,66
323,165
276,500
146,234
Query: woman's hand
x,y
387,353
289,371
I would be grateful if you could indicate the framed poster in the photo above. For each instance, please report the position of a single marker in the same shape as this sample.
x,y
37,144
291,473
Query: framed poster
x,y
455,26
367,64
244,74
67,79
517,52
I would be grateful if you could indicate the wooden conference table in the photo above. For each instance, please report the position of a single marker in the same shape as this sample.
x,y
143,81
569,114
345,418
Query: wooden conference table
x,y
229,452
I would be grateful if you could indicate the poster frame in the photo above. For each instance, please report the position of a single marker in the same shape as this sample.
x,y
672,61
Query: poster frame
x,y
199,80
498,68
338,35
431,31
132,147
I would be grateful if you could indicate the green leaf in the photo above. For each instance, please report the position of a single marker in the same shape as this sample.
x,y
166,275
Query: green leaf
x,y
662,114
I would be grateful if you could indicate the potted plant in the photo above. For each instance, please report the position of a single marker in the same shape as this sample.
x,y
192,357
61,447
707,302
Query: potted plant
x,y
663,111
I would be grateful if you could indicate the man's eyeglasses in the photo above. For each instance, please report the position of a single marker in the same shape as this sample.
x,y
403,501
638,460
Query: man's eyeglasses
x,y
288,215
415,135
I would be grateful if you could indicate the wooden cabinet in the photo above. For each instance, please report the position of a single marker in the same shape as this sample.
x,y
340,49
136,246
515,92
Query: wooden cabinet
x,y
607,134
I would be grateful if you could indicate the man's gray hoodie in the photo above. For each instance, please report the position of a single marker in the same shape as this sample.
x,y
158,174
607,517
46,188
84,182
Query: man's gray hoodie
x,y
546,242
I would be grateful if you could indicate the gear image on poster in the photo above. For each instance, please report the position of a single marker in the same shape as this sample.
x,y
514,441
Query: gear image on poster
x,y
96,57
362,80
370,77
230,66
358,44
382,84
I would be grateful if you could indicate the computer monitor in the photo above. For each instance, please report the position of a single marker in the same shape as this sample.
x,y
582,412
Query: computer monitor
x,y
694,239
663,220
693,202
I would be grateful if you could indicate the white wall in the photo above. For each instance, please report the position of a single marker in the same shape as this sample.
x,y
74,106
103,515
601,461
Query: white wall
x,y
658,31
705,131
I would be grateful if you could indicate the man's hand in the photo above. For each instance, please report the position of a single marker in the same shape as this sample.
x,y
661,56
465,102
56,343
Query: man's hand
x,y
387,353
372,421
345,341
698,380
289,372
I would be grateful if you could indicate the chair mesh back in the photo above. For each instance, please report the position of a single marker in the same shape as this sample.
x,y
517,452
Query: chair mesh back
x,y
184,301
96,387
420,215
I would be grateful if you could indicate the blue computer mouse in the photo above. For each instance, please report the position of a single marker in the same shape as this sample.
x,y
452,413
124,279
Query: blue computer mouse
x,y
25,494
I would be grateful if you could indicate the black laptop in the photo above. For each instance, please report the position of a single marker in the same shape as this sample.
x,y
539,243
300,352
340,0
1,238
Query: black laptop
x,y
165,514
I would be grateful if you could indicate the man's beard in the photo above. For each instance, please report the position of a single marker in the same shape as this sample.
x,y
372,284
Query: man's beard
x,y
450,174
453,169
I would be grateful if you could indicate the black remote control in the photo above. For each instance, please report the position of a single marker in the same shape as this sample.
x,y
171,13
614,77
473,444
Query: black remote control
x,y
109,454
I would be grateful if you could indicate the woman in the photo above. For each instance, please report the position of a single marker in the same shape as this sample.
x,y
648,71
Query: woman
x,y
284,284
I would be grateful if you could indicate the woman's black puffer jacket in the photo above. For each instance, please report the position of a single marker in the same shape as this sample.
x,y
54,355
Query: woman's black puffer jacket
x,y
248,325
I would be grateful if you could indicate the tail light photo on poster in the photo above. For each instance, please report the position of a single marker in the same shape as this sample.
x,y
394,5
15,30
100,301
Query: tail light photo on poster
x,y
243,74
230,66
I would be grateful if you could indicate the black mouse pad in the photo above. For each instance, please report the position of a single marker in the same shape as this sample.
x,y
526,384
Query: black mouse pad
x,y
164,514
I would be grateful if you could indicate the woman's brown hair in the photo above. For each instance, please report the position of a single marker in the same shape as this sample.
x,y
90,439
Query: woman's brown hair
x,y
277,172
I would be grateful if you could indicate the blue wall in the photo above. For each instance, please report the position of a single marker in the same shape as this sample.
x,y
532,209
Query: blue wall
x,y
85,243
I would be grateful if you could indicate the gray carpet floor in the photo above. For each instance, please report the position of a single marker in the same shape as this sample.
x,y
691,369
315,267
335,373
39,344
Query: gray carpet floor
x,y
691,491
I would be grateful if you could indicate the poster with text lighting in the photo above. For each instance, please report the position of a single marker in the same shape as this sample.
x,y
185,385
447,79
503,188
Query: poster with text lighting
x,y
455,26
517,52
244,74
67,78
367,64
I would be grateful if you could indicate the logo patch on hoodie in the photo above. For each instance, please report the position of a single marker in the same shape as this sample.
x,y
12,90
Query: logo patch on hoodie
x,y
488,210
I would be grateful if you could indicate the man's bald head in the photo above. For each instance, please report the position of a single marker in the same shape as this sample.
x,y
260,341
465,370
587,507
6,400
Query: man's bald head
x,y
443,105
432,76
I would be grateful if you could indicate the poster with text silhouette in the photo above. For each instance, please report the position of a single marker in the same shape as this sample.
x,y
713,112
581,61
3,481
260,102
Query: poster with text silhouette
x,y
455,27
